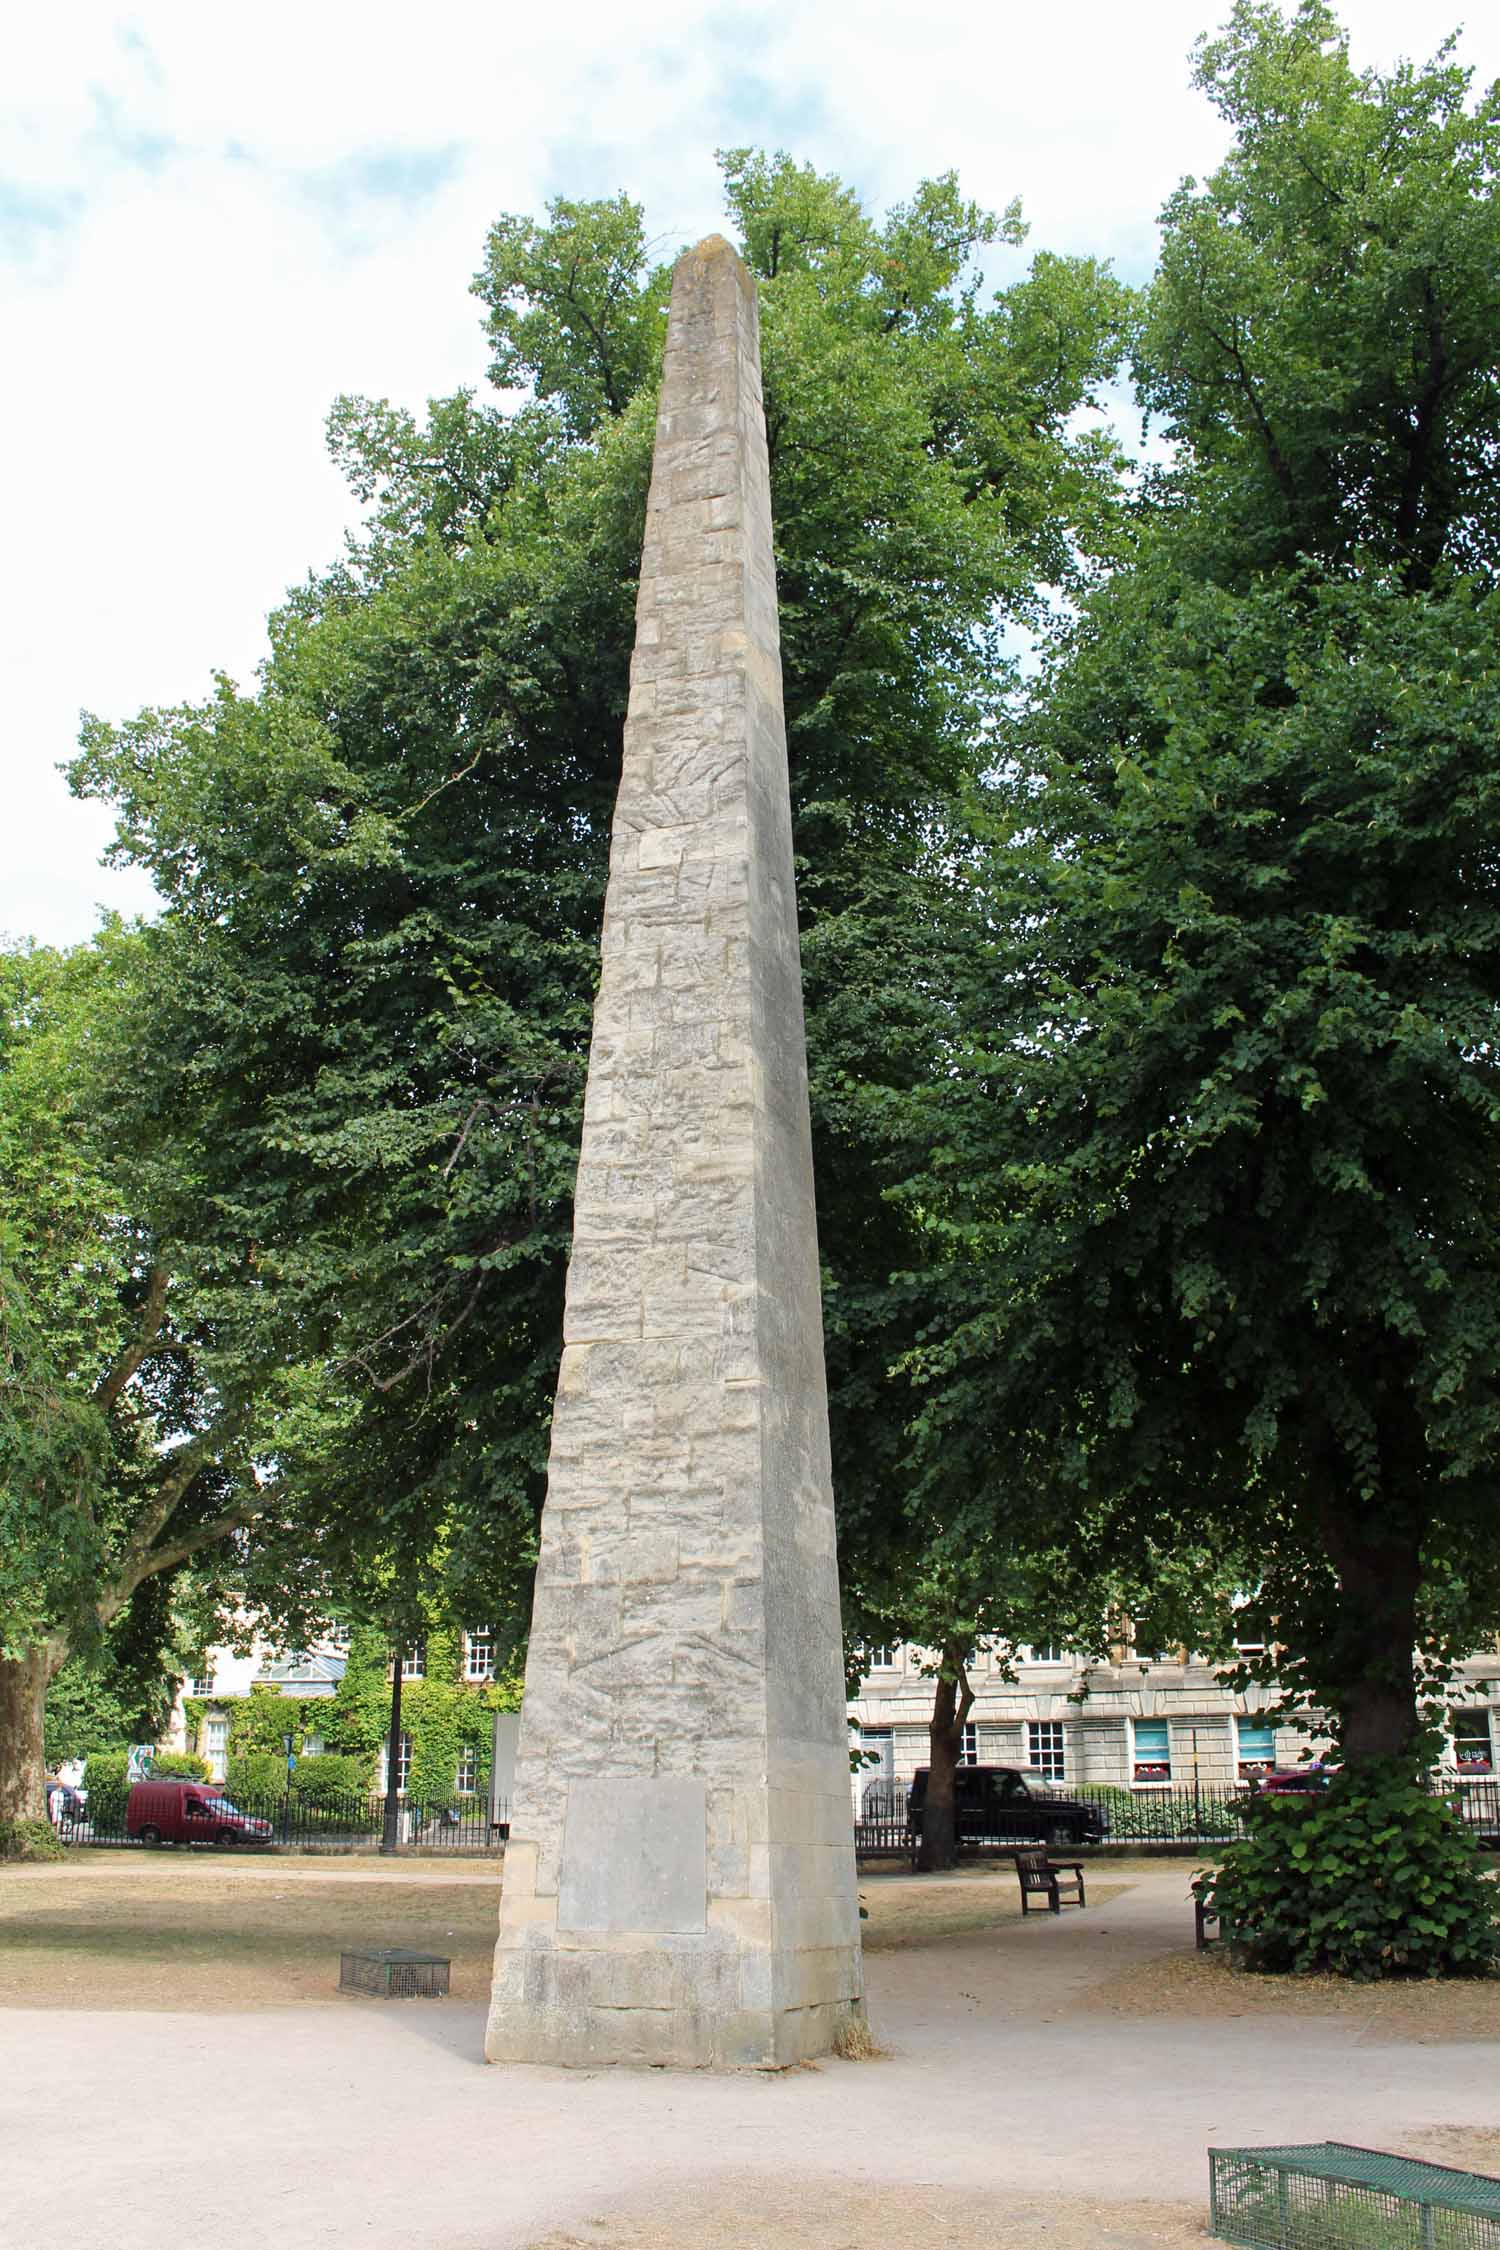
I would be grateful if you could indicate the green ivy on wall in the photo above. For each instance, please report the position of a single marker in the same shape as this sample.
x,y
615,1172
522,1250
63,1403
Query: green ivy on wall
x,y
443,1713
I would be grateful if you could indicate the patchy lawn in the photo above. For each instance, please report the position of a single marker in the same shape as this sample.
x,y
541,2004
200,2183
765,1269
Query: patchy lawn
x,y
1204,1984
192,1929
908,1910
188,1929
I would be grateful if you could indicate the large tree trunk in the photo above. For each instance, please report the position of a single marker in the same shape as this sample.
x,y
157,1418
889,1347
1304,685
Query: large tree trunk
x,y
951,1704
24,1682
1370,1660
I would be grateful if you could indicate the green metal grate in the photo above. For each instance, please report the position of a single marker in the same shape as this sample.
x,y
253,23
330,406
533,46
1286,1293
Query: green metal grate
x,y
394,1972
1328,2195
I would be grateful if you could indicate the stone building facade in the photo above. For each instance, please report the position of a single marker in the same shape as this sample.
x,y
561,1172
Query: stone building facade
x,y
1139,1723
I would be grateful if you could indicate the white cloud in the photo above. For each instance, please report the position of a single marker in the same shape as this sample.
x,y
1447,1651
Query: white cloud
x,y
213,221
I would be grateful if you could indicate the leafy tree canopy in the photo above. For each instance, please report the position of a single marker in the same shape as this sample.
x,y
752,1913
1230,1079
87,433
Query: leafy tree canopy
x,y
1208,1179
368,999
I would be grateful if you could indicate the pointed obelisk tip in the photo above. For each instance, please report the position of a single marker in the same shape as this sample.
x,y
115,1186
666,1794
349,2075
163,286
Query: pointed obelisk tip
x,y
714,250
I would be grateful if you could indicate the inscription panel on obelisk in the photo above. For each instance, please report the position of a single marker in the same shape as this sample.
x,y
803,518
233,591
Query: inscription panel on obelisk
x,y
679,1880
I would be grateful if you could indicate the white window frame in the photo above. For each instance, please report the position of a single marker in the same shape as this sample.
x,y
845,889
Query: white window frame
x,y
1045,1652
466,1773
1138,1780
413,1663
403,1764
1249,1768
481,1645
203,1685
968,1754
216,1745
885,1658
1246,1648
1478,1716
1047,1749
882,1740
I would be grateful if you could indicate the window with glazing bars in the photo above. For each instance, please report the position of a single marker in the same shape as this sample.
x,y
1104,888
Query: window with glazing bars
x,y
1045,1750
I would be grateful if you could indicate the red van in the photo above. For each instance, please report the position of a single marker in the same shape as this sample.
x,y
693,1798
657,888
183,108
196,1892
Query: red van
x,y
190,1812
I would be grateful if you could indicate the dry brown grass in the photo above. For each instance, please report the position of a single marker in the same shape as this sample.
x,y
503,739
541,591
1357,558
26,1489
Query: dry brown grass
x,y
919,1909
1473,2148
160,1930
856,2042
819,2214
185,1929
1205,1984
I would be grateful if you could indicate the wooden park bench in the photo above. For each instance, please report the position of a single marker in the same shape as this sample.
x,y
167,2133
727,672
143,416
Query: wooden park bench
x,y
1052,1879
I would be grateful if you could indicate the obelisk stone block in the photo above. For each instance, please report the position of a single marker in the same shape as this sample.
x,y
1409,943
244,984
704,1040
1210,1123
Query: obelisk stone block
x,y
679,1881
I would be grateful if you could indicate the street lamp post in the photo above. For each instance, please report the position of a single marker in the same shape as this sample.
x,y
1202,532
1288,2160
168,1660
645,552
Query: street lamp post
x,y
390,1839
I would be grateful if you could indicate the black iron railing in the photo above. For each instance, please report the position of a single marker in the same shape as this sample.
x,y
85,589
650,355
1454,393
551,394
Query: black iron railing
x,y
1172,1815
339,1824
463,1824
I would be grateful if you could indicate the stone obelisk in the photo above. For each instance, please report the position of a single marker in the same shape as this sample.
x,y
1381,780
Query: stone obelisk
x,y
679,1880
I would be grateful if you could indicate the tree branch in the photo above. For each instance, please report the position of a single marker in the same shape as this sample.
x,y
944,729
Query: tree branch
x,y
479,1105
432,1345
107,1390
182,1550
142,1557
1280,468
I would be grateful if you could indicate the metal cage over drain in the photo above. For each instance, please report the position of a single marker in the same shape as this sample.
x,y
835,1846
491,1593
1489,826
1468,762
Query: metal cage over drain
x,y
1329,2195
393,1972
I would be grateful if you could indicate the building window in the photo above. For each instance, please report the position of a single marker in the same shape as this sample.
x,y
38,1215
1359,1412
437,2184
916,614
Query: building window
x,y
1152,1761
1255,1743
1248,1639
466,1780
203,1684
413,1663
312,1746
969,1754
1045,1652
878,1748
1473,1751
479,1655
876,1780
883,1658
1044,1749
216,1747
403,1764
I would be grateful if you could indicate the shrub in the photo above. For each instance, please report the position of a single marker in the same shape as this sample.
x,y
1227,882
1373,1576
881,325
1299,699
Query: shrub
x,y
29,1839
179,1765
330,1779
104,1779
258,1773
1373,1878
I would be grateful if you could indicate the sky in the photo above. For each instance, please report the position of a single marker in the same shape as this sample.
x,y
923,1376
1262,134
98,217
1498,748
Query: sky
x,y
216,219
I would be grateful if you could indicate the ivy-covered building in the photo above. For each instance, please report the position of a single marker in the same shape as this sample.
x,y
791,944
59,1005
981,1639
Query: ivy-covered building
x,y
334,1700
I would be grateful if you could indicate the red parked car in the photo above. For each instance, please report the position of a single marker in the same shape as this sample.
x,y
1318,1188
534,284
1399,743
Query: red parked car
x,y
190,1812
1288,1780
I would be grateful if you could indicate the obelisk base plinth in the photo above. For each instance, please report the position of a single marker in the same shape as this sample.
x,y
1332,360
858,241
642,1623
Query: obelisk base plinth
x,y
735,1982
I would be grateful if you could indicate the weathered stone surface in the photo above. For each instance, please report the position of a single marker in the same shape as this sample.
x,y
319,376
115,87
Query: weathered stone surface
x,y
679,1885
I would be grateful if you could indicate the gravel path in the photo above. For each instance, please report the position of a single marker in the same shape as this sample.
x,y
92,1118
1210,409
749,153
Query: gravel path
x,y
1008,2110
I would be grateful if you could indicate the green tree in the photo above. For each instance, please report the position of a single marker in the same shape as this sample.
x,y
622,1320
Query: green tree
x,y
134,1427
1208,1188
384,869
